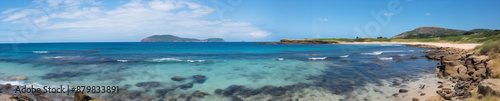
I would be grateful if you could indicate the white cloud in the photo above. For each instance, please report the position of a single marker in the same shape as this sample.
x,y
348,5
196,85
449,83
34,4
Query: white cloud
x,y
323,20
388,14
133,21
10,10
428,14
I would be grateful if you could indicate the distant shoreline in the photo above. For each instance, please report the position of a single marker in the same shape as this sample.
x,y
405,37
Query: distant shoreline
x,y
461,46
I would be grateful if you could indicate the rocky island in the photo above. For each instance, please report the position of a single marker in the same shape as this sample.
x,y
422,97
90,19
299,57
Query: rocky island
x,y
172,38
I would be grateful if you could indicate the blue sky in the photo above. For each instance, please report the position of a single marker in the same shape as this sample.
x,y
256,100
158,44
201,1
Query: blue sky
x,y
24,21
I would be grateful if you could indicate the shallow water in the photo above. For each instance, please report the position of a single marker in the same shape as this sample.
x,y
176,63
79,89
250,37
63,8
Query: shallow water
x,y
336,70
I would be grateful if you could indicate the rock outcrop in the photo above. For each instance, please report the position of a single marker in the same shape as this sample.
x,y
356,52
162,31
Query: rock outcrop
x,y
461,67
490,86
290,41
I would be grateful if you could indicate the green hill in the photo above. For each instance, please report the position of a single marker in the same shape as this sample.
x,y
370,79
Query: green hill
x,y
429,32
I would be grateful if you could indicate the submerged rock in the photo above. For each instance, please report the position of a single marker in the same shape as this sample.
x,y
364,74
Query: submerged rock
x,y
186,86
199,94
162,92
147,85
198,76
177,78
199,79
64,74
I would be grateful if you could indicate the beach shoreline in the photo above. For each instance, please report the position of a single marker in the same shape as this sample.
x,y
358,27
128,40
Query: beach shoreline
x,y
454,45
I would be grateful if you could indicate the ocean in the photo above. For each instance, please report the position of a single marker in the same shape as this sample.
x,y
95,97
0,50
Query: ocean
x,y
231,70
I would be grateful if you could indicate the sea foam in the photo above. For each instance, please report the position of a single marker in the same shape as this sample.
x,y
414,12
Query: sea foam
x,y
317,58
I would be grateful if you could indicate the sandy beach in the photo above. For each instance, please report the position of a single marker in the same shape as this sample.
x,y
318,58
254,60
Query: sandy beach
x,y
461,46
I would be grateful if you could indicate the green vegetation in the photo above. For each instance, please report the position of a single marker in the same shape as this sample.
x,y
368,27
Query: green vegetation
x,y
430,32
474,38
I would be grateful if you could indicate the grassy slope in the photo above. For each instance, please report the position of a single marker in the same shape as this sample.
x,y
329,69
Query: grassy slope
x,y
479,38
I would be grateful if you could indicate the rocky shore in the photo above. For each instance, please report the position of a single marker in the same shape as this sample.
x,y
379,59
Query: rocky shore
x,y
290,41
468,73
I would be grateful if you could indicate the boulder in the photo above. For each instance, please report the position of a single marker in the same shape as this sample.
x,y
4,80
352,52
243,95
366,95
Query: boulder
x,y
403,90
41,98
79,96
490,86
461,70
199,76
415,99
448,96
199,94
177,78
435,98
23,97
186,86
413,57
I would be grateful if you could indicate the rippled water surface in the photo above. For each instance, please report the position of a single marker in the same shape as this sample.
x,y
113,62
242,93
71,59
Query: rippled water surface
x,y
334,68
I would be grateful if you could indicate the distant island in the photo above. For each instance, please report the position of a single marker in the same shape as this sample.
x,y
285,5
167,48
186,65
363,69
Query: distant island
x,y
172,38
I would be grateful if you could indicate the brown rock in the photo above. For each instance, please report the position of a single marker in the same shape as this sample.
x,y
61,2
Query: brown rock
x,y
79,96
422,94
7,86
41,98
177,78
23,97
448,96
435,98
415,99
490,86
439,91
38,93
441,86
403,90
198,76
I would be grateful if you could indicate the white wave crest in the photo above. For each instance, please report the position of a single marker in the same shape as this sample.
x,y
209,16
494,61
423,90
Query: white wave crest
x,y
385,58
166,59
195,60
317,58
279,59
21,83
122,60
40,52
344,56
374,53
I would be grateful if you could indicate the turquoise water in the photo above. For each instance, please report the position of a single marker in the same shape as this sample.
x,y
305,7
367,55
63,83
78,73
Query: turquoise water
x,y
336,68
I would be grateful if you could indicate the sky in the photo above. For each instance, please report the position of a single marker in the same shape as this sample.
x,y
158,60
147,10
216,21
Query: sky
x,y
34,21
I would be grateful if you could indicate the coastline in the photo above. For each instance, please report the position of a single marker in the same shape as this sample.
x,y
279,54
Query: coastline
x,y
460,46
413,87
